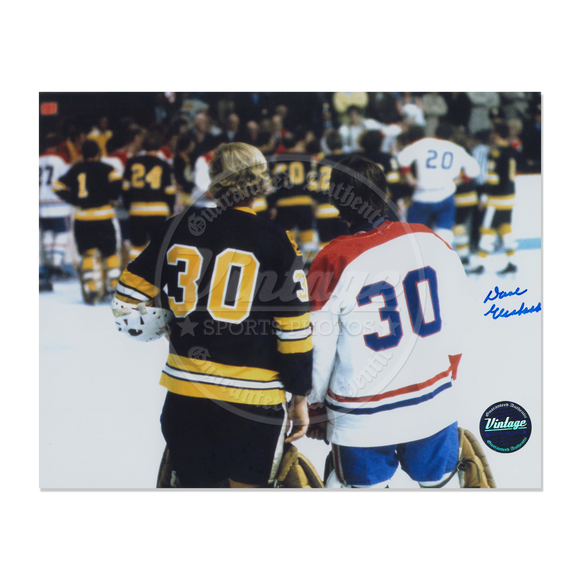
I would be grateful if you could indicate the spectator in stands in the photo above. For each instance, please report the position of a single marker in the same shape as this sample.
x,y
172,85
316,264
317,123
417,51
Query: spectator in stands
x,y
101,134
383,108
205,140
410,107
434,107
351,131
496,117
183,168
458,110
252,106
482,103
532,142
70,149
232,132
515,125
260,139
278,130
515,105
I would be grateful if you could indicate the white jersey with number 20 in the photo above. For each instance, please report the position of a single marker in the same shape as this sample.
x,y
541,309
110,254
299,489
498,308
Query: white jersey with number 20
x,y
437,163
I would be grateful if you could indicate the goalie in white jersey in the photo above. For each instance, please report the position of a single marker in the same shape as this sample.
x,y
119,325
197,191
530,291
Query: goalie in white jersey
x,y
387,317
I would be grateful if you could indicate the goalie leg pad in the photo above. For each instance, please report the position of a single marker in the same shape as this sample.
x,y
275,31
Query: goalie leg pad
x,y
473,468
112,272
166,476
296,471
91,274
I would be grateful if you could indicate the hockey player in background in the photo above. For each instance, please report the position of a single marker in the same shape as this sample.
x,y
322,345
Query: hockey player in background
x,y
500,190
231,287
438,164
54,214
291,203
387,314
93,187
148,194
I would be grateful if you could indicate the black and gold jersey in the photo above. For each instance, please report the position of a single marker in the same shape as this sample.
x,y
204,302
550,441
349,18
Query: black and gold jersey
x,y
501,175
319,183
91,186
390,166
466,193
290,173
235,283
148,188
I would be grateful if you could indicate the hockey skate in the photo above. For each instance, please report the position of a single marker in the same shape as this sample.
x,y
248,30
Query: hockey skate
x,y
509,269
45,285
475,270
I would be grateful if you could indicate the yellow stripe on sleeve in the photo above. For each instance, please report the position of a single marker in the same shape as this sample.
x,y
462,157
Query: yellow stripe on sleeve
x,y
58,186
140,284
293,323
295,346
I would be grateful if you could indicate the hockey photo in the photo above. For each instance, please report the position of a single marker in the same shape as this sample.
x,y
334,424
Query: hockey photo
x,y
290,290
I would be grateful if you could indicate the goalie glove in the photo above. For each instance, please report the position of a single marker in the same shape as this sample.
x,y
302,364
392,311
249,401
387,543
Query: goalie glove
x,y
141,322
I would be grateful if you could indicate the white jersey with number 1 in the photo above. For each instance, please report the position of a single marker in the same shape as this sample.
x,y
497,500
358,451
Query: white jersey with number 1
x,y
437,162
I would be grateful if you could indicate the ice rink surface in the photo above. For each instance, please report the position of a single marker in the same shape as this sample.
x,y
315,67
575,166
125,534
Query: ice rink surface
x,y
100,400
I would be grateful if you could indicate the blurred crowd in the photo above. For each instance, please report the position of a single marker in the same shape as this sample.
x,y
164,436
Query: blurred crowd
x,y
183,129
189,125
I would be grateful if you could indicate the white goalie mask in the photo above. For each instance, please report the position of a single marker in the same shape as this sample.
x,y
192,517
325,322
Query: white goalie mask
x,y
140,322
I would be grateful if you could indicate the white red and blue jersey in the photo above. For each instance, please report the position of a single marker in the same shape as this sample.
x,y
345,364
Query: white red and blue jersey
x,y
52,167
437,163
388,309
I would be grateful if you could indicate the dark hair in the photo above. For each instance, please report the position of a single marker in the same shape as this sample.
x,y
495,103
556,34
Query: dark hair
x,y
502,130
289,141
152,141
371,141
313,147
334,140
90,149
184,142
132,132
52,140
444,131
415,133
354,108
358,189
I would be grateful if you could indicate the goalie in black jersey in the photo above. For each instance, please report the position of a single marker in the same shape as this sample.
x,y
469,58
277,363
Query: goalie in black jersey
x,y
230,289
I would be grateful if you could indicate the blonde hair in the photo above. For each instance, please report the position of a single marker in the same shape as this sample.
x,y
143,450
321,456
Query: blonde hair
x,y
238,168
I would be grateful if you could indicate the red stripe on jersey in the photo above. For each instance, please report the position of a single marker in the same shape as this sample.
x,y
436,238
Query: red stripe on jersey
x,y
208,156
329,264
454,359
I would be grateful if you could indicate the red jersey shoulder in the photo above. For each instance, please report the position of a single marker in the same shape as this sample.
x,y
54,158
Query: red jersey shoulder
x,y
331,261
53,154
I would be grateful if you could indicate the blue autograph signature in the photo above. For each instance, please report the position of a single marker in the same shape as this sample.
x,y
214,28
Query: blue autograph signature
x,y
501,295
497,312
